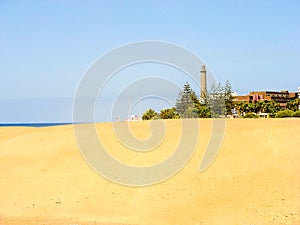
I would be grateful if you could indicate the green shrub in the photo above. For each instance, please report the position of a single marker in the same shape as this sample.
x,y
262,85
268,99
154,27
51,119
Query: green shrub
x,y
296,114
284,113
250,115
272,115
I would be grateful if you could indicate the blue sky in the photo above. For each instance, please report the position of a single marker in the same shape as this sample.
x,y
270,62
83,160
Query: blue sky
x,y
47,46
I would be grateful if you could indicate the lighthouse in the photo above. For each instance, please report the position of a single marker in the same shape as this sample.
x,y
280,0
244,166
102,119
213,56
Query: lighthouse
x,y
203,93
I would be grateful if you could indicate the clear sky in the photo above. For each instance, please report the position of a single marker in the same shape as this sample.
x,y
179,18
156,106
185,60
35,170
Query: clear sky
x,y
46,46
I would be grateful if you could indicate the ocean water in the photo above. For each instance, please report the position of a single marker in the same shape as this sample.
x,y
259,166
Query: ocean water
x,y
31,124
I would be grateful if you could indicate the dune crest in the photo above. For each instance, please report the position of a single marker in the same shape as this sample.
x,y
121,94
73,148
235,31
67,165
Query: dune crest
x,y
253,180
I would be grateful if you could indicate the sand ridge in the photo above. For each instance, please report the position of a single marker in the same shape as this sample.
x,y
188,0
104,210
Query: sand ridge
x,y
254,179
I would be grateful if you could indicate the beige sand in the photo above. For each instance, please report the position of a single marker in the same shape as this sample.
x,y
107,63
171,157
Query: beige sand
x,y
254,179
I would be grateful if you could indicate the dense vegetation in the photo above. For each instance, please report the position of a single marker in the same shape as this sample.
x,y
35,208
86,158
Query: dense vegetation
x,y
189,105
219,102
250,115
284,113
296,114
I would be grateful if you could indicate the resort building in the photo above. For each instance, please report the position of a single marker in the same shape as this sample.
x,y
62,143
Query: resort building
x,y
282,97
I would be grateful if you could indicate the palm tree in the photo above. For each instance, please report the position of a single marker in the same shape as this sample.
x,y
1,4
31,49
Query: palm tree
x,y
238,107
149,114
271,107
247,107
168,114
293,105
258,107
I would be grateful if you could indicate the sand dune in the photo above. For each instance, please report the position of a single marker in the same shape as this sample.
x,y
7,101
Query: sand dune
x,y
254,179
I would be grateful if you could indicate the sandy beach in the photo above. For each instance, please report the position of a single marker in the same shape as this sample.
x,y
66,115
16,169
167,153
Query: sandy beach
x,y
255,178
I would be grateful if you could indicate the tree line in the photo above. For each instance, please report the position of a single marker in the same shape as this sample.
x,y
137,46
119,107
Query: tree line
x,y
219,102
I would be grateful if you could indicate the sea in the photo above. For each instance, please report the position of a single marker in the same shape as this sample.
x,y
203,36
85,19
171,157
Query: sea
x,y
31,124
